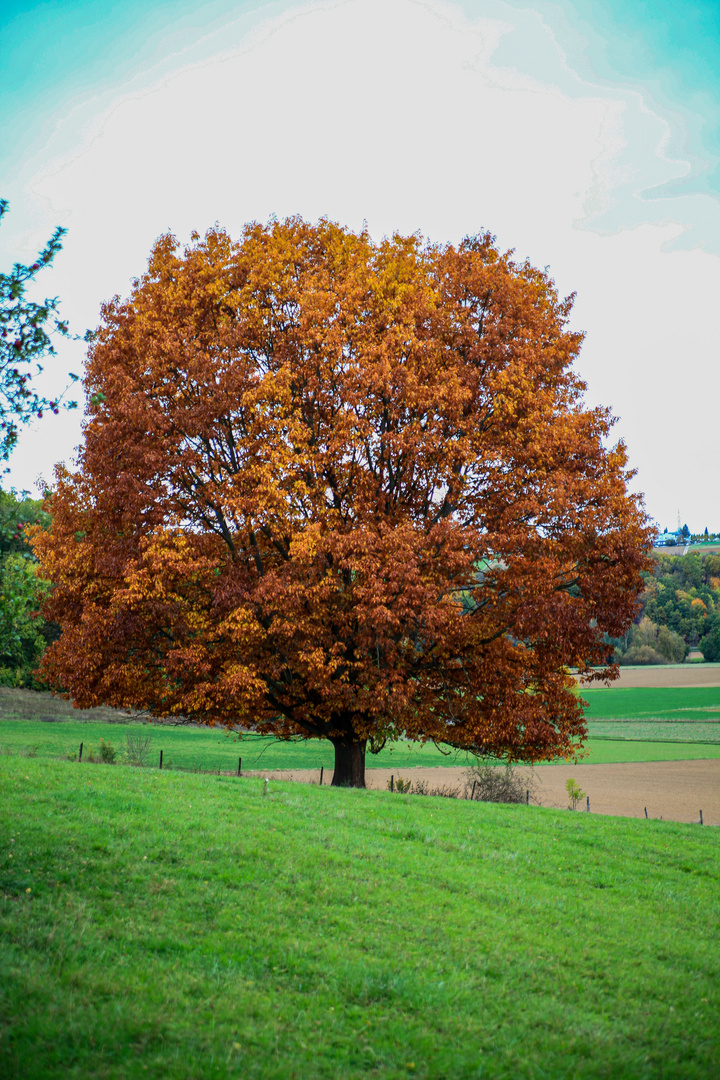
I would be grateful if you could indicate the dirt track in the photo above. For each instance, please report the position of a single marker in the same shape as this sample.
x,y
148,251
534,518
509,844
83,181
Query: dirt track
x,y
674,790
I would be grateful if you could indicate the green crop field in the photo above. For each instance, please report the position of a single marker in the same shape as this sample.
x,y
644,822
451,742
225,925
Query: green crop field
x,y
679,703
187,927
656,730
608,750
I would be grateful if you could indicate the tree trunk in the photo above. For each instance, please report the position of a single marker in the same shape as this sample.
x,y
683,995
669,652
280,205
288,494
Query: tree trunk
x,y
349,763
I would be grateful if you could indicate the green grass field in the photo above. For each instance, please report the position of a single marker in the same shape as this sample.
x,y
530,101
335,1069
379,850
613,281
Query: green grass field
x,y
202,748
213,749
181,926
45,727
698,703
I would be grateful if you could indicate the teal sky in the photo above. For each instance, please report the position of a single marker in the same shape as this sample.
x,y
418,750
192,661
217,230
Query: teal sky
x,y
55,51
665,47
585,134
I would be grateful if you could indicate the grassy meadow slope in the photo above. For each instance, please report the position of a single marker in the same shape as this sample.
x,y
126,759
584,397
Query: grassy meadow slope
x,y
178,926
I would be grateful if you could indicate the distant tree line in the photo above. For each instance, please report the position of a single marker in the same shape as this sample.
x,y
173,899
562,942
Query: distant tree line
x,y
680,611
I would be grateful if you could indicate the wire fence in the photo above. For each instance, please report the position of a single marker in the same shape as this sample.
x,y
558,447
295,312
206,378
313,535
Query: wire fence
x,y
651,812
650,808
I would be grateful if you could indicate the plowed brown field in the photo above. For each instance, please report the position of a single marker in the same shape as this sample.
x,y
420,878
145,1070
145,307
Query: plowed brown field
x,y
662,675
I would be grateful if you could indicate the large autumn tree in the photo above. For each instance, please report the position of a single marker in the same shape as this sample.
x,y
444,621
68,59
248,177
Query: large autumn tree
x,y
343,490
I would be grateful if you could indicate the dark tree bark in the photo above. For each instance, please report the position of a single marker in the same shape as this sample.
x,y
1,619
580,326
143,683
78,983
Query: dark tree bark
x,y
349,763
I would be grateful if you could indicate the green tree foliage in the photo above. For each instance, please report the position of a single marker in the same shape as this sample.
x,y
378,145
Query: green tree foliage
x,y
682,596
710,645
671,646
649,644
25,328
17,512
23,633
680,610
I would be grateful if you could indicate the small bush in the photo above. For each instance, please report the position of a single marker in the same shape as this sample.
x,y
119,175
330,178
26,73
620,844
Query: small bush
x,y
422,787
492,783
403,787
575,793
137,748
445,791
107,753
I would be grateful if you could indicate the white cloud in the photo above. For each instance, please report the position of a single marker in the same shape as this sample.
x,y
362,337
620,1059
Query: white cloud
x,y
392,111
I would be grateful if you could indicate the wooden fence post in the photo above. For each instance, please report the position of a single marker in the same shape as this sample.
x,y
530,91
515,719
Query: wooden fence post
x,y
527,797
392,782
646,813
80,754
701,817
588,804
472,793
322,770
161,759
239,766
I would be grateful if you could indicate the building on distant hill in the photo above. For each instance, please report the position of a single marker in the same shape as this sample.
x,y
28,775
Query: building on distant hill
x,y
670,539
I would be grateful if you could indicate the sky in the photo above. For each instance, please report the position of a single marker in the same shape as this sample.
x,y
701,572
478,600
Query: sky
x,y
584,135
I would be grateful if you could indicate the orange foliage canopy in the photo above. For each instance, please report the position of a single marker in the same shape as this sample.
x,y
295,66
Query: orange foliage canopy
x,y
344,490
